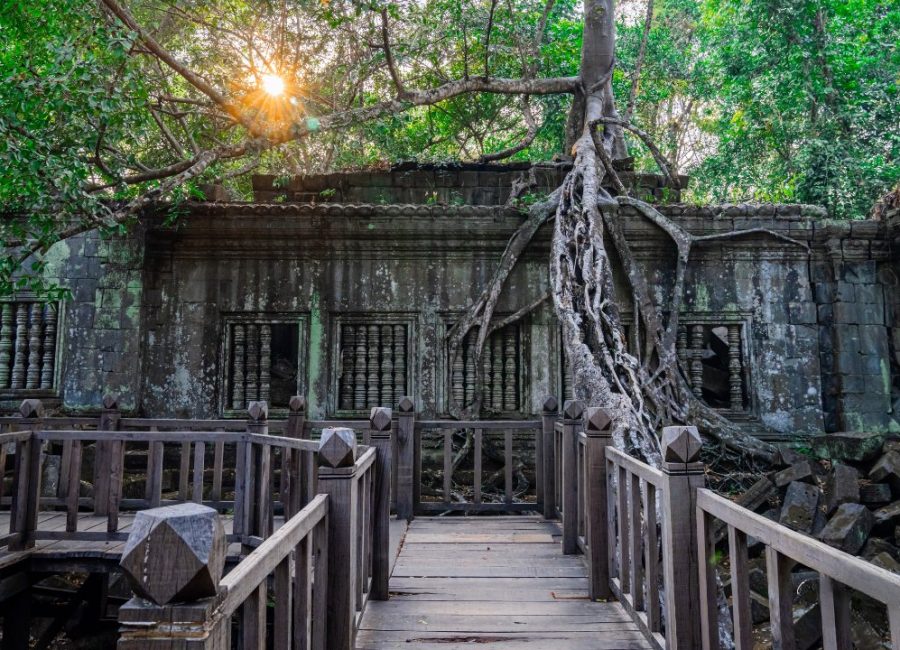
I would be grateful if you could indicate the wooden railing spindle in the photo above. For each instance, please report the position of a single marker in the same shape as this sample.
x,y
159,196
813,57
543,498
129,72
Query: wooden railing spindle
x,y
508,466
636,539
740,588
73,488
477,478
781,603
834,601
548,492
571,423
199,470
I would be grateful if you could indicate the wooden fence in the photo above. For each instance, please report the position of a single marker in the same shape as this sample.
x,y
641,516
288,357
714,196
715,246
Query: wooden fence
x,y
648,537
312,532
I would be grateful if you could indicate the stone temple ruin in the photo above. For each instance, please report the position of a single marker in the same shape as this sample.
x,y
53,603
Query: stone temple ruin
x,y
225,365
343,286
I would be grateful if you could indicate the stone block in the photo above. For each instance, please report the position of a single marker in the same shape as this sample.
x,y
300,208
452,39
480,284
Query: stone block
x,y
841,486
845,292
175,553
858,272
802,313
337,447
888,514
876,545
887,469
801,502
800,471
885,561
874,493
855,446
848,528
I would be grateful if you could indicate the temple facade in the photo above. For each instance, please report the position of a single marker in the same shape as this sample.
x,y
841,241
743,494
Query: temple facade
x,y
343,288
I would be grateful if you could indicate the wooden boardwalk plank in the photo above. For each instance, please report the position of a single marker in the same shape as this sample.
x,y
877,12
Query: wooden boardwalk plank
x,y
500,581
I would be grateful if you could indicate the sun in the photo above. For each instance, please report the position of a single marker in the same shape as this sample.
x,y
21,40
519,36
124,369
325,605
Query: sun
x,y
273,85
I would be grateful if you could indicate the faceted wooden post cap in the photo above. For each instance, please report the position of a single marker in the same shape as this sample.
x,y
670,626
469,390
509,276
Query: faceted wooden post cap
x,y
258,411
406,404
337,448
297,404
681,444
573,409
551,404
380,418
31,408
597,418
110,402
175,553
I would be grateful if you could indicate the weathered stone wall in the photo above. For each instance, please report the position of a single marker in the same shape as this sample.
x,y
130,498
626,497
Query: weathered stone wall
x,y
158,317
99,336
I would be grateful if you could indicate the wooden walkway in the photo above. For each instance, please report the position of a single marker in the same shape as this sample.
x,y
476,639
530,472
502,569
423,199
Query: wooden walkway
x,y
499,582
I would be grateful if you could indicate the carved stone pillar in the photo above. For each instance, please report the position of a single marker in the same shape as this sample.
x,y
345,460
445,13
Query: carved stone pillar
x,y
237,373
510,371
21,357
347,357
387,364
399,362
35,338
372,394
696,360
735,371
6,342
497,371
265,361
252,371
48,365
359,386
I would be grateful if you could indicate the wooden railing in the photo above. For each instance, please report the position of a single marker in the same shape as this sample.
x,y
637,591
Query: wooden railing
x,y
462,486
839,573
649,539
315,531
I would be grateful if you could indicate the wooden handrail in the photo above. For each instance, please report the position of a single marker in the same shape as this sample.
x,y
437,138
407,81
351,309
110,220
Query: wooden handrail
x,y
837,570
251,571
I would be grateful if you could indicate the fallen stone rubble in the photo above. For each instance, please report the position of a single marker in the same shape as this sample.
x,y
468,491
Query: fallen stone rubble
x,y
844,490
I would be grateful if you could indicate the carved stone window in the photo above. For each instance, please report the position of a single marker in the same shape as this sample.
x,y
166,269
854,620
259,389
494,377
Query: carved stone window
x,y
715,357
263,361
502,371
28,338
373,362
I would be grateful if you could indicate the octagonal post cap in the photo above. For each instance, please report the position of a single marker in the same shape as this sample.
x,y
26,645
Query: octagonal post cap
x,y
597,418
380,418
573,409
337,447
110,402
551,404
681,444
297,404
31,408
406,404
175,553
258,411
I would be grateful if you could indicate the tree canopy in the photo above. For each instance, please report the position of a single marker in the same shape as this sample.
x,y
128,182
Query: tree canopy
x,y
109,106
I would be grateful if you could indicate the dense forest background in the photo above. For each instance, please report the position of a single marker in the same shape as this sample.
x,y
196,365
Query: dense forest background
x,y
764,100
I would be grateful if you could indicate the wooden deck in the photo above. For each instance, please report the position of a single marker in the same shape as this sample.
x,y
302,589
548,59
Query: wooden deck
x,y
501,582
75,552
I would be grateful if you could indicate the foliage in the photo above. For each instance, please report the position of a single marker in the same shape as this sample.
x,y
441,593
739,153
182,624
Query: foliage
x,y
792,100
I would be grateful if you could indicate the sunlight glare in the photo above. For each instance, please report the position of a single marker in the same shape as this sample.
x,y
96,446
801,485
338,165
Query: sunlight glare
x,y
273,85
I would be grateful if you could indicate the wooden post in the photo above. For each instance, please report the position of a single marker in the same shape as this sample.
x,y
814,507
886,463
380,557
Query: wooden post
x,y
298,473
177,604
549,414
598,430
337,479
260,492
380,438
572,413
404,489
682,476
103,451
27,474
